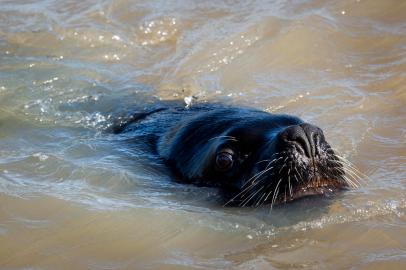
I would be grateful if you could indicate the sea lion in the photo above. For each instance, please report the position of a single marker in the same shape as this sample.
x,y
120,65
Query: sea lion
x,y
253,156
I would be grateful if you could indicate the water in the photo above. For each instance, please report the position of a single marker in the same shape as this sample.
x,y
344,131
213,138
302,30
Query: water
x,y
74,197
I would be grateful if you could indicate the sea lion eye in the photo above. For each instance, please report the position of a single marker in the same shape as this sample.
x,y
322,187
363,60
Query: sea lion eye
x,y
224,160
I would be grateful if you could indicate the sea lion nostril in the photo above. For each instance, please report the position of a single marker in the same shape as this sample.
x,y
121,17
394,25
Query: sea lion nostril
x,y
305,138
315,137
302,142
296,136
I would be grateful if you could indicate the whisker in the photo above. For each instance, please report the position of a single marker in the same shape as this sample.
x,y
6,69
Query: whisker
x,y
259,200
352,177
296,178
246,189
350,182
290,186
266,198
349,163
266,160
283,166
259,174
355,170
241,193
300,175
275,193
349,170
273,161
256,176
252,196
231,138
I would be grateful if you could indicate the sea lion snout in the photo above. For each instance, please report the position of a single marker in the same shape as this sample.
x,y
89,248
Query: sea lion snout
x,y
305,139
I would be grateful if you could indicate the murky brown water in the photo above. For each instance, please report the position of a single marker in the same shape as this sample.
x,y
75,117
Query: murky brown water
x,y
73,197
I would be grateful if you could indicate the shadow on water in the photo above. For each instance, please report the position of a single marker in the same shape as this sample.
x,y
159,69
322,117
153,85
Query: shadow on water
x,y
301,210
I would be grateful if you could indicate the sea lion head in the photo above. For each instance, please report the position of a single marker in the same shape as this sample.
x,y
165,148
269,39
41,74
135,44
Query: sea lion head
x,y
253,156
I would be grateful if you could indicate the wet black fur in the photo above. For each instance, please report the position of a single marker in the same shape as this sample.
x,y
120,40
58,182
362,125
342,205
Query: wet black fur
x,y
187,140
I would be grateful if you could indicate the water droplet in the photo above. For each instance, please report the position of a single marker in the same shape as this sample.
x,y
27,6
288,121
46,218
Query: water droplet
x,y
115,37
188,100
40,156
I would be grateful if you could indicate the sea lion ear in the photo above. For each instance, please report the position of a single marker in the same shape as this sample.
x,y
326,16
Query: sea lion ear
x,y
200,167
189,156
